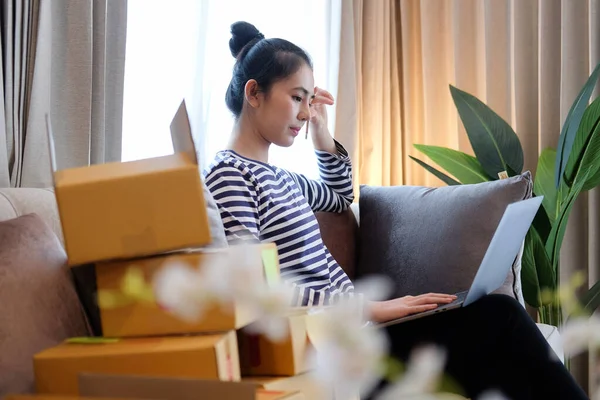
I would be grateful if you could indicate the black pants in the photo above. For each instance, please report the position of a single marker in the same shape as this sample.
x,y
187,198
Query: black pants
x,y
491,344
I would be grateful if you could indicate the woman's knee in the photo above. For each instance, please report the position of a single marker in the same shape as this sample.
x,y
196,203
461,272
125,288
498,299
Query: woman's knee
x,y
502,300
498,304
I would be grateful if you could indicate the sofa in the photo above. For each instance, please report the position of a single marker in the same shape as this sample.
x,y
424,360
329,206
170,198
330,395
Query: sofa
x,y
40,307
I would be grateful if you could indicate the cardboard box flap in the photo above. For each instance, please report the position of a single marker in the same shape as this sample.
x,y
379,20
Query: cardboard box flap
x,y
101,385
181,133
113,171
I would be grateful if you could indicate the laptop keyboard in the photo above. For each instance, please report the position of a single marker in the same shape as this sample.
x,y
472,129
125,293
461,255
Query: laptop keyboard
x,y
460,297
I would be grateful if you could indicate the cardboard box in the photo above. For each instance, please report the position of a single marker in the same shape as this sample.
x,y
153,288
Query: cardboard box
x,y
148,319
121,210
95,385
259,356
304,383
58,397
279,395
204,357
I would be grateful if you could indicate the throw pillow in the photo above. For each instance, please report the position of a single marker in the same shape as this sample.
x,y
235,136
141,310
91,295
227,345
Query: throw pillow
x,y
433,239
38,304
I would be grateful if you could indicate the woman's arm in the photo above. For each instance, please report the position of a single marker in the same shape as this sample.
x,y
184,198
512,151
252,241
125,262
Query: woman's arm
x,y
306,296
334,191
237,194
237,199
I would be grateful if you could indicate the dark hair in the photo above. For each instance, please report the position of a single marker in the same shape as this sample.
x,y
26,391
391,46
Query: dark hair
x,y
264,60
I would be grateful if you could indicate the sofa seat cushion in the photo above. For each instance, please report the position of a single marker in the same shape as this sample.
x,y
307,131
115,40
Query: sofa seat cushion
x,y
433,239
552,335
39,307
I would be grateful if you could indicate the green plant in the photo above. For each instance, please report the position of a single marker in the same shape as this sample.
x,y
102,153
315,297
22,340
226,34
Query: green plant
x,y
561,175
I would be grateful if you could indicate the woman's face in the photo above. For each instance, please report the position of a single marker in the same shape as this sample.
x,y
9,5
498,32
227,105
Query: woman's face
x,y
285,108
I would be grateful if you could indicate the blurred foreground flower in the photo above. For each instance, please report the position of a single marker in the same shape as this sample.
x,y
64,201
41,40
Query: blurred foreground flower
x,y
424,371
581,331
182,291
580,334
133,289
271,303
234,276
348,355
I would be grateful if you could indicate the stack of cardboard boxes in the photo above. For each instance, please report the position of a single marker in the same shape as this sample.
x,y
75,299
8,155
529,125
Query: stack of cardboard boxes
x,y
148,214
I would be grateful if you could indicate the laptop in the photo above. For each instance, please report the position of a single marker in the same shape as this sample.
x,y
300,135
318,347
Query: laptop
x,y
497,261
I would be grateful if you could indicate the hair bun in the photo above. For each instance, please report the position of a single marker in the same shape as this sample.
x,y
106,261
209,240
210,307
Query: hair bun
x,y
242,33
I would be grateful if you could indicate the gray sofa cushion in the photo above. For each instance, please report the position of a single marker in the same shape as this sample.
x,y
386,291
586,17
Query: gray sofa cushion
x,y
433,239
38,305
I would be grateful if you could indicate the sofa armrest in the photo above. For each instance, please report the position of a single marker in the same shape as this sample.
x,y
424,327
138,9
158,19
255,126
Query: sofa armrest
x,y
340,234
553,338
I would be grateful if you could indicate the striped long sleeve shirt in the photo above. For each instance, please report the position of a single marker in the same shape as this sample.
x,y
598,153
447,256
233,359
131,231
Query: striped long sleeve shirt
x,y
259,202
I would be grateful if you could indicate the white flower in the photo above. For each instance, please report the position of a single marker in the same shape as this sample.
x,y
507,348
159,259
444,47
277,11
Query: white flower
x,y
225,278
181,291
271,303
348,355
580,334
425,367
374,287
235,274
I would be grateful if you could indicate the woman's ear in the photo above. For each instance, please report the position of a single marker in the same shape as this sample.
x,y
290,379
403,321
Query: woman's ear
x,y
252,93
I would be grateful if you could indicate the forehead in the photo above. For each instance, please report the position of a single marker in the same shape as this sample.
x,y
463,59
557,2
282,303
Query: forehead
x,y
302,78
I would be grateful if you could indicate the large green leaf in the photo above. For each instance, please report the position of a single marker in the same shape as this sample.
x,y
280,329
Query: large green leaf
x,y
543,184
559,226
591,299
545,271
494,142
537,273
541,223
462,166
439,174
585,153
529,279
569,129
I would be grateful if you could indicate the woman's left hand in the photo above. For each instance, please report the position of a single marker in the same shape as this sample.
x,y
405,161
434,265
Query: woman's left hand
x,y
318,111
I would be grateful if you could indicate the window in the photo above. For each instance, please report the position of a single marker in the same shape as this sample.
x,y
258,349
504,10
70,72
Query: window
x,y
180,49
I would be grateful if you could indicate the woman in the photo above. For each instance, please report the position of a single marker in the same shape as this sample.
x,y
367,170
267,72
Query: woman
x,y
492,344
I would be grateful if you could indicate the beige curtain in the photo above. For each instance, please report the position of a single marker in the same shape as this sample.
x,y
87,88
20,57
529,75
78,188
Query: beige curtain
x,y
65,58
527,59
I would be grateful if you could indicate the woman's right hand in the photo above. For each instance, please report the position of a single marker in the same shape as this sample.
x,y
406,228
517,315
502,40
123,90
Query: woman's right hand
x,y
383,311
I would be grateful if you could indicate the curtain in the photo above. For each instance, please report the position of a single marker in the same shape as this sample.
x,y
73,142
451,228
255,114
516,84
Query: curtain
x,y
369,92
526,59
65,58
18,29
